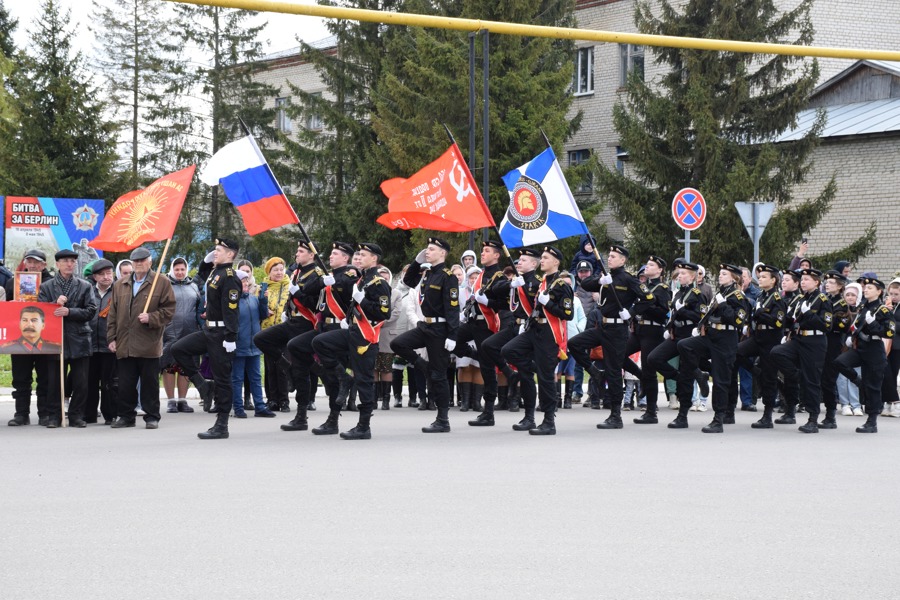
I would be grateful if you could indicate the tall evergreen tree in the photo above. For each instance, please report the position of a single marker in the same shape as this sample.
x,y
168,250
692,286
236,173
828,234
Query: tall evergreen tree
x,y
710,122
62,144
7,26
7,52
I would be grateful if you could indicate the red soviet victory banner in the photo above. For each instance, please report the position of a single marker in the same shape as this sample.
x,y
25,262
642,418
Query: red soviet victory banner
x,y
147,215
442,196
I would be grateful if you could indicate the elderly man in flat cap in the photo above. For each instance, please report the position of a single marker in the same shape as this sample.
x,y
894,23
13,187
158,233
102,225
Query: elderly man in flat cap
x,y
76,304
135,326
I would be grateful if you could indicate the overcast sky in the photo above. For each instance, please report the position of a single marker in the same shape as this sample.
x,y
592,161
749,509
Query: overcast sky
x,y
280,33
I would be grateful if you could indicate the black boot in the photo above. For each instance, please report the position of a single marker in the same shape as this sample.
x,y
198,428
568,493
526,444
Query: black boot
x,y
613,421
503,398
810,427
298,423
396,385
330,426
548,426
789,412
219,431
514,392
870,426
344,388
648,418
439,426
203,388
681,421
351,399
477,393
464,393
361,431
385,394
702,378
558,398
829,422
567,398
716,425
729,418
765,422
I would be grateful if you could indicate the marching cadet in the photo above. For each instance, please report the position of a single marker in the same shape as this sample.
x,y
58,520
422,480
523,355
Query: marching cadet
x,y
219,339
764,332
542,343
874,324
334,300
299,317
483,311
520,292
836,335
356,341
790,292
802,355
688,307
649,329
715,339
436,332
618,291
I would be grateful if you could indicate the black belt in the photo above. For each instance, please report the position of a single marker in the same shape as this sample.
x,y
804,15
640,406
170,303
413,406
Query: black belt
x,y
608,321
808,332
651,323
868,338
332,320
684,323
721,327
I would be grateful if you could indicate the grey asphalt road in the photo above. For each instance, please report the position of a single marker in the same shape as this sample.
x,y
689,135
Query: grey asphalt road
x,y
644,512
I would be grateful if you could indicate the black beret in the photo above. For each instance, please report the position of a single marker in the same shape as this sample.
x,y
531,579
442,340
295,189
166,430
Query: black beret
x,y
529,252
683,264
229,244
554,253
812,273
732,268
65,253
442,244
657,260
618,248
837,276
493,244
795,275
307,246
370,247
343,247
768,269
872,280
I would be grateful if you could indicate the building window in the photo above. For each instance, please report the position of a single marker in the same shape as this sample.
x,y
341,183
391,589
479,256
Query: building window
x,y
584,71
577,157
283,121
631,61
621,157
314,120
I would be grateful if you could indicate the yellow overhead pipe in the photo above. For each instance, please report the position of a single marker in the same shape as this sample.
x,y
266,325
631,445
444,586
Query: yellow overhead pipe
x,y
640,39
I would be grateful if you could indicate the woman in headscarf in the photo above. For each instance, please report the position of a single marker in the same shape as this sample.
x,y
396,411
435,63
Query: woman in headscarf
x,y
186,320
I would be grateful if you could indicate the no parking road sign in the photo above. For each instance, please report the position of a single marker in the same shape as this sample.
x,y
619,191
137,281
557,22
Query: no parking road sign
x,y
689,209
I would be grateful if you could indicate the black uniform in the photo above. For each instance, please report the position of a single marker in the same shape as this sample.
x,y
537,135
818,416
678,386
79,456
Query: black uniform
x,y
889,387
273,341
836,335
439,300
651,311
802,357
719,346
611,333
790,387
338,346
300,348
223,291
765,332
535,350
868,353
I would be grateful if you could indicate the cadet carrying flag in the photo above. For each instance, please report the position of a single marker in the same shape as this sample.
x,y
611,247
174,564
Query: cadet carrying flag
x,y
250,184
541,206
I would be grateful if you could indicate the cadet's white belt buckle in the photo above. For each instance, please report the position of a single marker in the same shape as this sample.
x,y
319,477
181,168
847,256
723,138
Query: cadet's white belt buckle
x,y
215,323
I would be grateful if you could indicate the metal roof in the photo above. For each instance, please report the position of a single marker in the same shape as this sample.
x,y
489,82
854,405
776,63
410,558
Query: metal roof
x,y
859,118
323,44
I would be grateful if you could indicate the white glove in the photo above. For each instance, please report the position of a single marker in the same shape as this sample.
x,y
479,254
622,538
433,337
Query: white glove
x,y
472,345
804,307
284,317
849,342
420,257
358,294
624,314
210,257
425,266
679,305
758,304
345,324
229,346
870,317
720,299
543,298
605,279
745,330
521,328
784,339
517,282
328,280
449,345
695,332
667,335
293,288
481,298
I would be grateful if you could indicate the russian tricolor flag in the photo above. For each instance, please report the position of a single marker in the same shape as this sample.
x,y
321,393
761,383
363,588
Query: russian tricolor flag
x,y
248,182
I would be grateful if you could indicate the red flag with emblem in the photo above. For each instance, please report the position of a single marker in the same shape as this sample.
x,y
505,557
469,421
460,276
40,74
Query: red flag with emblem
x,y
442,196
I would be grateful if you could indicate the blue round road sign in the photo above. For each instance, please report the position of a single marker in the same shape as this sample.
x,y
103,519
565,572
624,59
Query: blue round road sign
x,y
689,209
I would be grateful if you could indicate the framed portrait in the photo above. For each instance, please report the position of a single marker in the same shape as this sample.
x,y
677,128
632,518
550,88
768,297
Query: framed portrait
x,y
26,287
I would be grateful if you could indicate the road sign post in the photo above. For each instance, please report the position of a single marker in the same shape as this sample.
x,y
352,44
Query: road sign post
x,y
689,212
755,216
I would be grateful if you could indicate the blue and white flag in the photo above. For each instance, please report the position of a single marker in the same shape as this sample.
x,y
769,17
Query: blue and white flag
x,y
541,206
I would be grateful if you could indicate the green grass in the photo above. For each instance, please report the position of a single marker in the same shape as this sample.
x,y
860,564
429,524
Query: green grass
x,y
5,371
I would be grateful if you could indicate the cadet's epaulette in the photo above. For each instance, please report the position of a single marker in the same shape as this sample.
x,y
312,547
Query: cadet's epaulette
x,y
777,296
558,282
885,309
448,271
229,272
696,290
738,294
319,272
823,297
375,280
664,286
629,273
351,273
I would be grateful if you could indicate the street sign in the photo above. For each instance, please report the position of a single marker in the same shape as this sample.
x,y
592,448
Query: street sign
x,y
755,216
689,209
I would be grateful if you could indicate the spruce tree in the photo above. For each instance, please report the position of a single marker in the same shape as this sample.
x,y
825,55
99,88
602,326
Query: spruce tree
x,y
710,122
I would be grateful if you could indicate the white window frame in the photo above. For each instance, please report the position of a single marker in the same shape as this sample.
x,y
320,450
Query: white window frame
x,y
282,120
583,83
577,157
628,53
314,120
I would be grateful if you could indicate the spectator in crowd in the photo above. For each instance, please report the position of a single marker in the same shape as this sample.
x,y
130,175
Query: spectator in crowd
x,y
246,365
102,378
185,321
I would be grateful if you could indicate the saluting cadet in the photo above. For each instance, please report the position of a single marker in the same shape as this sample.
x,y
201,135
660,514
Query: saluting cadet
x,y
688,307
299,318
520,293
836,335
618,291
542,343
333,303
356,341
874,324
715,340
763,332
802,355
436,332
219,339
649,328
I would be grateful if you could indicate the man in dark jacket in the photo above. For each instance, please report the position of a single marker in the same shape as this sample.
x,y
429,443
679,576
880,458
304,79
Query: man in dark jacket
x,y
586,253
102,382
77,305
23,365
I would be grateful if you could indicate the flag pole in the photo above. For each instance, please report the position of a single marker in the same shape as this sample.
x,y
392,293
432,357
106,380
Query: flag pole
x,y
162,260
305,235
486,208
62,375
591,237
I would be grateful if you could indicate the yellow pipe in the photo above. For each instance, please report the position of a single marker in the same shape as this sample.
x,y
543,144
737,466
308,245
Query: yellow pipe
x,y
641,39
